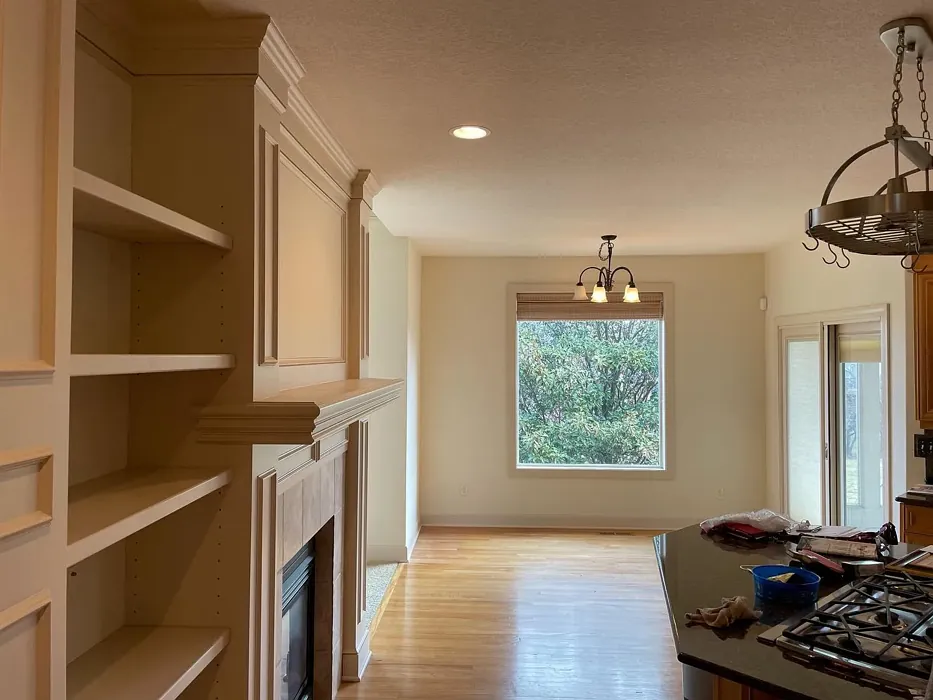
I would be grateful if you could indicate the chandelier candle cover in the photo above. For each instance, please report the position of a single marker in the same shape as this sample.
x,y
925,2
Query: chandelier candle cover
x,y
606,278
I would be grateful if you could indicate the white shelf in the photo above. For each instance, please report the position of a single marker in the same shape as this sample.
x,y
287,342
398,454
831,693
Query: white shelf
x,y
144,663
103,511
99,365
104,208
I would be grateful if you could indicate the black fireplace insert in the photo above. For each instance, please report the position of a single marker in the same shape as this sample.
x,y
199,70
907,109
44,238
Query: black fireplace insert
x,y
297,642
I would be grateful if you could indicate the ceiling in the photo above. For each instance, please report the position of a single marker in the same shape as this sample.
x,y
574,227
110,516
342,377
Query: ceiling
x,y
684,126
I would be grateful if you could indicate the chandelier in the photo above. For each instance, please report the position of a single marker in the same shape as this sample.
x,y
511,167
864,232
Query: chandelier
x,y
606,278
893,220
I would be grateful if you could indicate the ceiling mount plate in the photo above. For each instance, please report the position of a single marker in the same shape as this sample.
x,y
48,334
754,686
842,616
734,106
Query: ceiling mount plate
x,y
917,36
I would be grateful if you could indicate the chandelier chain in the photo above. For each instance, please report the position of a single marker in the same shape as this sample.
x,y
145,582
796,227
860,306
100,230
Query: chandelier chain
x,y
922,95
897,97
602,247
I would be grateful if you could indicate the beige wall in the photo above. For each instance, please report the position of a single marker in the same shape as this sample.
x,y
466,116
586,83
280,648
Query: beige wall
x,y
392,354
799,282
412,482
718,398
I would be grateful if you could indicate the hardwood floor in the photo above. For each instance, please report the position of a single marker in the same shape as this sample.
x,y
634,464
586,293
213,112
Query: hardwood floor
x,y
524,615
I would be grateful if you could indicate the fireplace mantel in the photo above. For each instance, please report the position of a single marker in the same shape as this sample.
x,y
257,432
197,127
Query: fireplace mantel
x,y
297,416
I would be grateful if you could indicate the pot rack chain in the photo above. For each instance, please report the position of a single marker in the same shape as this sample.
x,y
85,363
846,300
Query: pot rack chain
x,y
897,97
924,114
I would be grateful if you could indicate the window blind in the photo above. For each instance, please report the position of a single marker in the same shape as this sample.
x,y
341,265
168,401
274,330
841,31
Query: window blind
x,y
560,306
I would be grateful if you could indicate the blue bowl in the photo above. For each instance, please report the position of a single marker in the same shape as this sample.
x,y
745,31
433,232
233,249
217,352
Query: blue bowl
x,y
803,592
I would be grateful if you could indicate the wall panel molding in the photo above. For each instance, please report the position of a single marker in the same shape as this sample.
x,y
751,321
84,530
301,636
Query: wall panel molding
x,y
313,188
267,567
32,605
40,462
268,249
24,371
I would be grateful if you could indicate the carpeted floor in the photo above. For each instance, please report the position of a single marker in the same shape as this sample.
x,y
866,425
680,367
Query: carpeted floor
x,y
378,578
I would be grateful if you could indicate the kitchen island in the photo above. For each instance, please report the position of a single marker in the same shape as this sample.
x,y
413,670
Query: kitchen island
x,y
697,571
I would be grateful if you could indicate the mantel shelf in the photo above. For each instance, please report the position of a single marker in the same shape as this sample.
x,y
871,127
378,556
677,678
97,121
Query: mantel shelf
x,y
104,511
144,663
104,208
297,416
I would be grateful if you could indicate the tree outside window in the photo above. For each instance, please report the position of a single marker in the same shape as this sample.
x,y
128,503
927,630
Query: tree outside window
x,y
589,393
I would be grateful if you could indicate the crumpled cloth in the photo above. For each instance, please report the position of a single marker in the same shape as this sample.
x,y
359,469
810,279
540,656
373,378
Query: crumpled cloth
x,y
731,611
765,519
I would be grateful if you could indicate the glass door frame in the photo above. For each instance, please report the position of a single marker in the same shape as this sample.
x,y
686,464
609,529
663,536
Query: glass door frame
x,y
823,326
787,333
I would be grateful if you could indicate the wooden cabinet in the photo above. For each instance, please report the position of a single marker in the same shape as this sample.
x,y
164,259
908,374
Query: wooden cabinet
x,y
730,690
923,341
916,524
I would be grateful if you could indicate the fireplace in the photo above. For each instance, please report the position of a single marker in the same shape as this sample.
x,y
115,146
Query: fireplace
x,y
297,641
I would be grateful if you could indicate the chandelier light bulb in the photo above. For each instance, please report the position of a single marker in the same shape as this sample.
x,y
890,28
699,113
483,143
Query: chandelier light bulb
x,y
599,294
631,294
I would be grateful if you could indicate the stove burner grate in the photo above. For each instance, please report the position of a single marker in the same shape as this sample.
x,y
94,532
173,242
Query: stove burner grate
x,y
884,621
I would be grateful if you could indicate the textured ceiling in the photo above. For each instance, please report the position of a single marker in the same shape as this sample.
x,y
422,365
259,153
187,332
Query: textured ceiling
x,y
682,125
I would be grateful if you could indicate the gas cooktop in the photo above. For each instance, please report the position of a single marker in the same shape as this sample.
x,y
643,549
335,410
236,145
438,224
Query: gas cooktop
x,y
877,632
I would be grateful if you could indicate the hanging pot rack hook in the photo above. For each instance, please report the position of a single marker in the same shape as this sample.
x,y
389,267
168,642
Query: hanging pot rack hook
x,y
816,244
913,263
910,264
848,262
835,257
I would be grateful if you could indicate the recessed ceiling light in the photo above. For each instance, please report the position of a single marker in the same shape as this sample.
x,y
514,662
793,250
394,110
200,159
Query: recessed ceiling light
x,y
469,132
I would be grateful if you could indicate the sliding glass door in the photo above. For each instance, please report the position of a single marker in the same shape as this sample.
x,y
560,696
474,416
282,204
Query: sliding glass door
x,y
803,425
834,418
858,425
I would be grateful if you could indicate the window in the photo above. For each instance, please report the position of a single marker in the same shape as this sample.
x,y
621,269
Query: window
x,y
590,389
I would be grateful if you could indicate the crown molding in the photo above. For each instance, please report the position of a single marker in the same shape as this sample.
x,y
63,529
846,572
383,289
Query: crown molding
x,y
235,33
297,416
312,121
281,54
365,186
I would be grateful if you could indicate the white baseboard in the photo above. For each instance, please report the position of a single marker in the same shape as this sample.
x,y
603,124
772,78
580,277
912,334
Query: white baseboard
x,y
384,553
412,542
559,522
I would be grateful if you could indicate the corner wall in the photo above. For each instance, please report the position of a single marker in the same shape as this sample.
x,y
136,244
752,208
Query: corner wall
x,y
395,281
798,282
412,481
718,399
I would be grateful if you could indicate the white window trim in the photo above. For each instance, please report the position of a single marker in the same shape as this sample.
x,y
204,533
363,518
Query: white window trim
x,y
798,325
666,471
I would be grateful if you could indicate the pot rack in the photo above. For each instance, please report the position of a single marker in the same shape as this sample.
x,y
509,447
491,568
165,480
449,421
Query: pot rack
x,y
893,220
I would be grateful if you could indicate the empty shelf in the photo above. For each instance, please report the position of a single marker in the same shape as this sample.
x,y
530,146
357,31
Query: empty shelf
x,y
98,365
104,208
104,511
144,663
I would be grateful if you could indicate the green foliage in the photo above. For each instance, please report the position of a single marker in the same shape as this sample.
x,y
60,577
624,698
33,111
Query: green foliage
x,y
589,392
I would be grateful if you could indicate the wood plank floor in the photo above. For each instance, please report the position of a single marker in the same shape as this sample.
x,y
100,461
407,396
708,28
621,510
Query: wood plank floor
x,y
524,615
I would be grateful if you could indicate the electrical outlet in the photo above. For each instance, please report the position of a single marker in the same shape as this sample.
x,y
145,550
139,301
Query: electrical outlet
x,y
464,490
721,493
923,445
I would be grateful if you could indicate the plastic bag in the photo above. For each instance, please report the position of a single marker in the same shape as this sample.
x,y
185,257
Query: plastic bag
x,y
764,519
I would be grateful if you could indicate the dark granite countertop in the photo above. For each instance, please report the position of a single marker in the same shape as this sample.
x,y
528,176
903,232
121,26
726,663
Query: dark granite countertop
x,y
910,499
698,571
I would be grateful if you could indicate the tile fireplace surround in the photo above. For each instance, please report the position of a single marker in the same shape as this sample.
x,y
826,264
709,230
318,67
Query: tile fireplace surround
x,y
308,505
